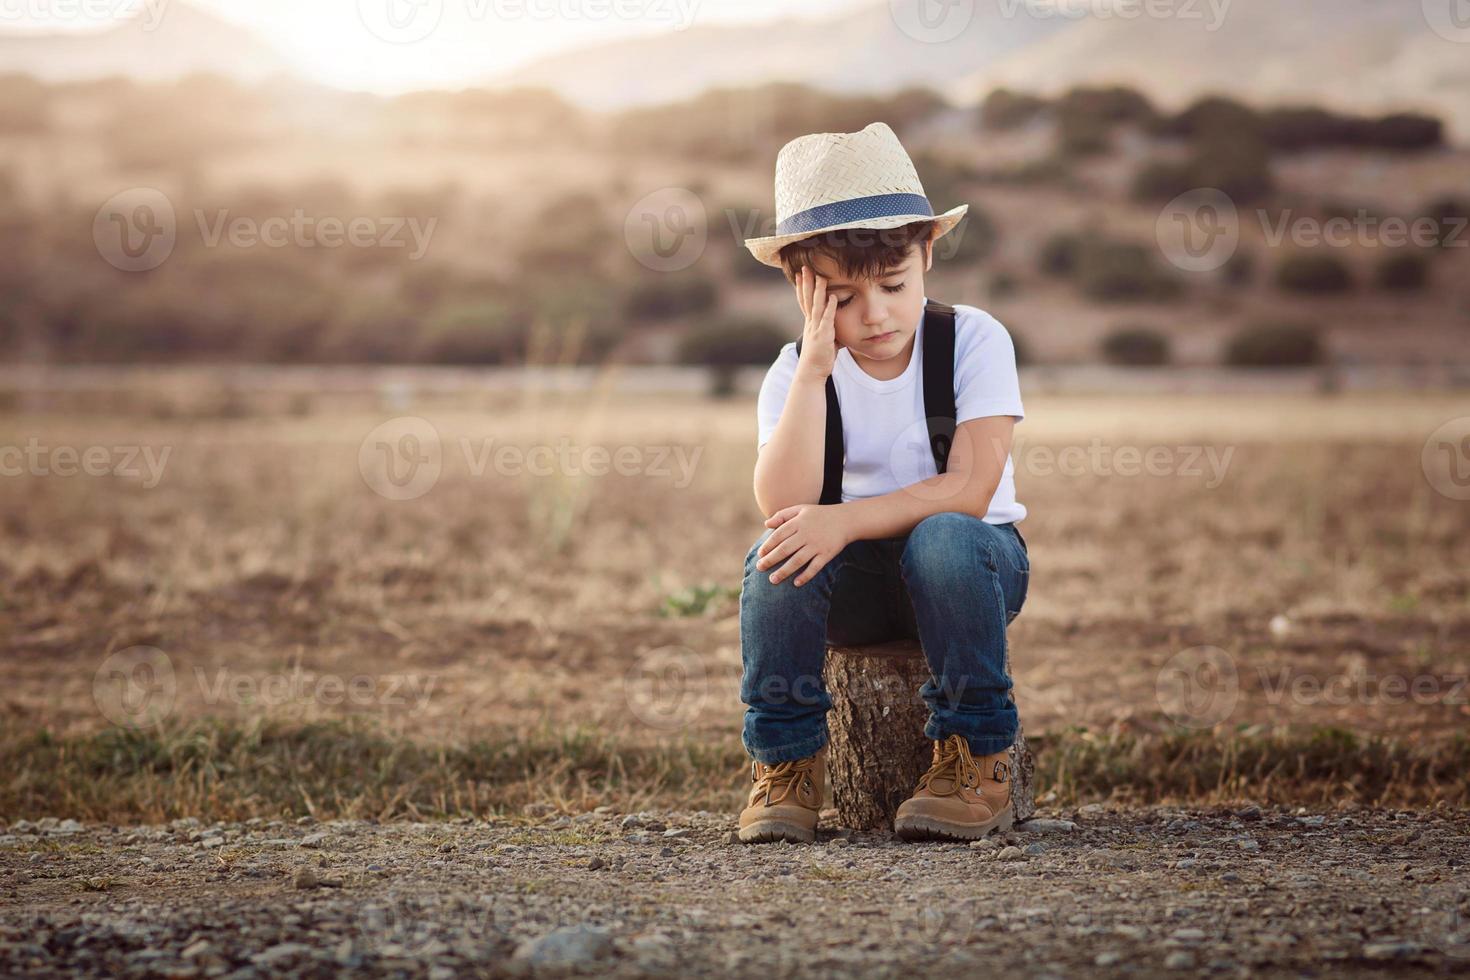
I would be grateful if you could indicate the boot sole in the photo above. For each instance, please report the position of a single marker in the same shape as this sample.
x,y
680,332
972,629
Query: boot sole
x,y
932,828
770,831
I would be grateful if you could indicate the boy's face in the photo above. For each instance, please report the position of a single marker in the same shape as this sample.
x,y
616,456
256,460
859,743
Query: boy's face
x,y
876,318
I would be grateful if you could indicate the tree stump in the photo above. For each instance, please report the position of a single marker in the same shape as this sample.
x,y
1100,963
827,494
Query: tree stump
x,y
878,750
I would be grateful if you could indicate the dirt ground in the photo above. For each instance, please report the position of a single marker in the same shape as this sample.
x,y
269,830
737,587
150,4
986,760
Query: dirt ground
x,y
1296,537
1152,891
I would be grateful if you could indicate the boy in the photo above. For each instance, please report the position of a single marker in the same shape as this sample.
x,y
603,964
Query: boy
x,y
884,519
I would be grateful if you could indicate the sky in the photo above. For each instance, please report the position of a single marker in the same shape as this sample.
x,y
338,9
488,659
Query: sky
x,y
398,45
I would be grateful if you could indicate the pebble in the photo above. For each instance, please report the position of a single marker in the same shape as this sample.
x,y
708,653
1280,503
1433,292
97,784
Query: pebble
x,y
1179,960
306,878
1035,849
1107,958
280,953
569,946
313,840
1392,950
1045,826
197,949
1011,853
596,864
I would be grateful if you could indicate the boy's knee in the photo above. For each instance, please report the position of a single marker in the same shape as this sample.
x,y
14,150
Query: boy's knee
x,y
941,544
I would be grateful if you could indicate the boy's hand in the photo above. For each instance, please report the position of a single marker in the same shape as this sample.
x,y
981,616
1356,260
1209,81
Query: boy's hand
x,y
806,535
819,335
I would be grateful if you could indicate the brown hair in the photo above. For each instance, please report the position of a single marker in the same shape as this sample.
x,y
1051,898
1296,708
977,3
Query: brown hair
x,y
861,253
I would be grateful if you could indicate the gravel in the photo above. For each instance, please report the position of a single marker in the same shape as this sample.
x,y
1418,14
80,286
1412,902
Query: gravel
x,y
603,893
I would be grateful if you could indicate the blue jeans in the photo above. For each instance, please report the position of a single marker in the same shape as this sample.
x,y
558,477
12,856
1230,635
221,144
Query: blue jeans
x,y
954,583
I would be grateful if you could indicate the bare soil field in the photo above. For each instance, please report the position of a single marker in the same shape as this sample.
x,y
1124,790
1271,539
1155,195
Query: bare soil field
x,y
1299,535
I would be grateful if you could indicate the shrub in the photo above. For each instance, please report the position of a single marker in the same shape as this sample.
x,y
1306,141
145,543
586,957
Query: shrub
x,y
1275,344
1241,169
1314,272
1403,271
1291,128
1163,180
972,239
1308,127
1240,268
1403,131
1112,271
1214,119
1080,134
728,342
1114,104
486,333
1004,284
1059,253
1136,346
1004,109
1452,215
664,297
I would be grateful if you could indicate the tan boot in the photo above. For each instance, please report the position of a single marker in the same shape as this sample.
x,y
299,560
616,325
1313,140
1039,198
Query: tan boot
x,y
961,797
785,799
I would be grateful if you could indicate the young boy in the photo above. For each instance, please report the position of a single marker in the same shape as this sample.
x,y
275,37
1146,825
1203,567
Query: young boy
x,y
885,519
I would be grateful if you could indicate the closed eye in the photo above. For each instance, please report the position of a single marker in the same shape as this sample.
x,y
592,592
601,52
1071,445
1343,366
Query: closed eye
x,y
887,289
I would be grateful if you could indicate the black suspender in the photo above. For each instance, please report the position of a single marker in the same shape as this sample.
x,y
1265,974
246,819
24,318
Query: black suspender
x,y
939,406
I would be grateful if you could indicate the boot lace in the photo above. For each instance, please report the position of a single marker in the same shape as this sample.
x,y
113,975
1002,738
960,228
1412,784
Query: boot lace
x,y
778,780
953,768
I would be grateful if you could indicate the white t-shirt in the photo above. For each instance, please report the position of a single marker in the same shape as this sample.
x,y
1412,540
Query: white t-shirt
x,y
883,424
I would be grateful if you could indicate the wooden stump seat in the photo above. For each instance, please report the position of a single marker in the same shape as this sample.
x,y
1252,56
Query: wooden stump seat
x,y
877,750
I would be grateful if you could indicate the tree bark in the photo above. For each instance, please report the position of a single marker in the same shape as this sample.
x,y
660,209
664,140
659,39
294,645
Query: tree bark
x,y
878,749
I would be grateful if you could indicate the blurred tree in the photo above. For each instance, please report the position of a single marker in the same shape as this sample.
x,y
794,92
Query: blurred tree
x,y
1314,272
728,342
1275,344
1136,346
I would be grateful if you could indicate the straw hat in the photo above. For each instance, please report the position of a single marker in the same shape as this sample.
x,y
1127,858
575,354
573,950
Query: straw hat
x,y
828,181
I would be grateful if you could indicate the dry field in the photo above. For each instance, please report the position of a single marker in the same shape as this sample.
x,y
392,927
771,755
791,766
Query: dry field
x,y
231,621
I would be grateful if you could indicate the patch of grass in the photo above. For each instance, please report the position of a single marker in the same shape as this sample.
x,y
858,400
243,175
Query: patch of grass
x,y
1320,766
697,599
232,771
221,770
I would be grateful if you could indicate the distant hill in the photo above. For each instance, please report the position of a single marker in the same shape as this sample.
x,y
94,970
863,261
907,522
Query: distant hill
x,y
184,41
1360,55
863,51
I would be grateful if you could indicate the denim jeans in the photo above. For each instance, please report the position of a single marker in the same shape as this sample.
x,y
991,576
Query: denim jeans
x,y
954,583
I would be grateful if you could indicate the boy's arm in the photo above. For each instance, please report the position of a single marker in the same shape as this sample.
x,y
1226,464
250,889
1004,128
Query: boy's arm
x,y
976,463
789,467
